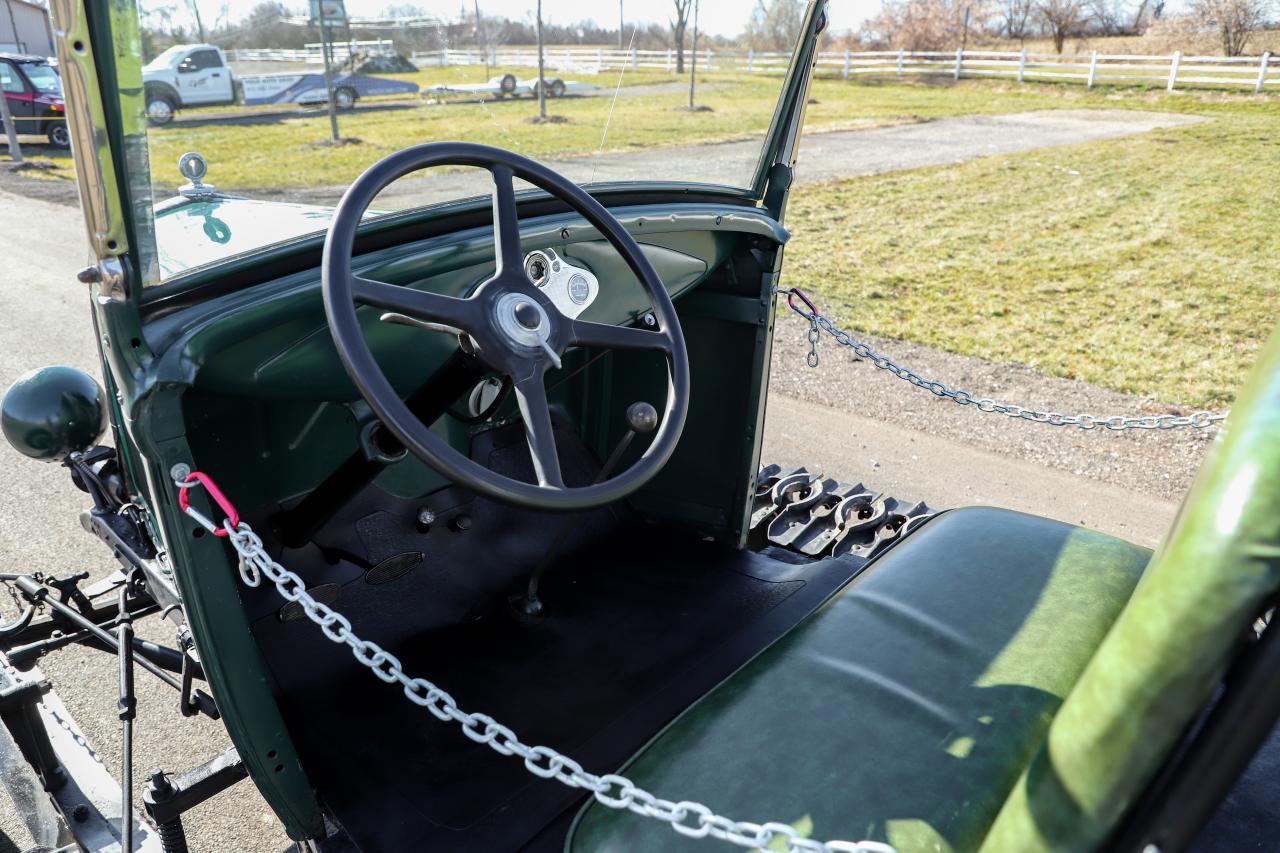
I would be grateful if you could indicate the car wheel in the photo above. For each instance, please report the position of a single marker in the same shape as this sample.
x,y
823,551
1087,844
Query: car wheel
x,y
59,136
344,98
159,109
508,84
556,88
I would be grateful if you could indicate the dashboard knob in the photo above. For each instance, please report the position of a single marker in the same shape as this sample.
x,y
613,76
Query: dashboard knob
x,y
642,417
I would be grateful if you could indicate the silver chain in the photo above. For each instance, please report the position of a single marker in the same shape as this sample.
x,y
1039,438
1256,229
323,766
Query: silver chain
x,y
690,819
819,323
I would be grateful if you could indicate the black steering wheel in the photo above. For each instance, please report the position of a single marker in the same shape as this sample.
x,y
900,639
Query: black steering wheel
x,y
512,326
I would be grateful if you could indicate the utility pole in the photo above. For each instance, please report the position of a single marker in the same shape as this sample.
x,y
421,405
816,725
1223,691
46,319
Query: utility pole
x,y
6,118
622,24
693,68
542,76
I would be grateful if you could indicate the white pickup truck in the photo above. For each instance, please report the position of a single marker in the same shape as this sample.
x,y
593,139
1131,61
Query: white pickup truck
x,y
197,75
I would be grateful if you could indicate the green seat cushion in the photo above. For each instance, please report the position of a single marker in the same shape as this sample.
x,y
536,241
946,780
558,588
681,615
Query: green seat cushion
x,y
905,709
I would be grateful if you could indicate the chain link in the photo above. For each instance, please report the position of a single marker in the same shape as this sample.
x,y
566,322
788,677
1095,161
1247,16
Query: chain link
x,y
819,323
690,819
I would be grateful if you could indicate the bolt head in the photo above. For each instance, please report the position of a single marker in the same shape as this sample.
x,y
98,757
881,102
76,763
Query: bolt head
x,y
426,516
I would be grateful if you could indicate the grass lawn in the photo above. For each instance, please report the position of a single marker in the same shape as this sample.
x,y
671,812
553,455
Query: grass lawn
x,y
1145,264
285,152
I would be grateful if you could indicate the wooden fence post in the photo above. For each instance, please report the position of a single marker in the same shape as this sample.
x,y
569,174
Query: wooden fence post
x,y
959,62
635,60
845,74
1174,62
1262,71
708,59
901,55
1093,69
1022,65
751,61
668,59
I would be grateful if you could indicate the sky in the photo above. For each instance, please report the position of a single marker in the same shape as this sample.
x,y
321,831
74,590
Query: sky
x,y
721,17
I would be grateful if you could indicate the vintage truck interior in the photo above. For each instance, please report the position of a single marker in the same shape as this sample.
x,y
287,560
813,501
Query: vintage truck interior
x,y
516,443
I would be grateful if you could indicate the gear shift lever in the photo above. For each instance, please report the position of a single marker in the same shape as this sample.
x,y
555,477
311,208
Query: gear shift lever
x,y
641,418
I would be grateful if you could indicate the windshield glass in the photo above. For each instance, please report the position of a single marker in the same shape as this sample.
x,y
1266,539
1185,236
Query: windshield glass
x,y
43,77
653,110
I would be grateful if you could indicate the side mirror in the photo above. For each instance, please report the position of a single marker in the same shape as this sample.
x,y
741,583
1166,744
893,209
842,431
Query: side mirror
x,y
50,413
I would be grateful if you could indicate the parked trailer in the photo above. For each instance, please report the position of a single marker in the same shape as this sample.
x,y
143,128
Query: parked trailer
x,y
508,85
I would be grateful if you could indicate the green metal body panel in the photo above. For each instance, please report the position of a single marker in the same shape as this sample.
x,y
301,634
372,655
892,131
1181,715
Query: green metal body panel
x,y
1216,571
905,708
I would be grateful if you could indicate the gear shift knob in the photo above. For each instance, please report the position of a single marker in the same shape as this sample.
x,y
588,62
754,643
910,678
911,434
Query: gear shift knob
x,y
642,417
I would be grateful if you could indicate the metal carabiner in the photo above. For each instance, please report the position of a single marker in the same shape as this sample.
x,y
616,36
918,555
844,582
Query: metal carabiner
x,y
791,303
184,488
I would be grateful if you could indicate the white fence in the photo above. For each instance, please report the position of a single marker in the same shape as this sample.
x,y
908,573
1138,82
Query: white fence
x,y
1256,72
312,54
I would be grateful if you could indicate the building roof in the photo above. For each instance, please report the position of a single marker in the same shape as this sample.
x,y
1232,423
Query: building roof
x,y
29,3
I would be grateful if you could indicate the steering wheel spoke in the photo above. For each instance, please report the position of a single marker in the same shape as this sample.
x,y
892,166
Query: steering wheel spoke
x,y
417,304
586,334
506,222
510,326
531,395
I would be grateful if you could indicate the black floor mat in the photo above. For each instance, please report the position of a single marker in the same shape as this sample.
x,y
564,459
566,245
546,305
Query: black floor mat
x,y
635,634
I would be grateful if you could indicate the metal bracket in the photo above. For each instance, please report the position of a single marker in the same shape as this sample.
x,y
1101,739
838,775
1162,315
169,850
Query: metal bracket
x,y
168,797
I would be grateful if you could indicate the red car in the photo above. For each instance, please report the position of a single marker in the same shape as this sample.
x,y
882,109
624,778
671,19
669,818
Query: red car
x,y
34,92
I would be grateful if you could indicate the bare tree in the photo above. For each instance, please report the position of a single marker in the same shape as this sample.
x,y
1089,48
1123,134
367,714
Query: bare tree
x,y
1235,20
1063,18
1015,19
679,24
693,67
774,25
1112,17
926,24
542,70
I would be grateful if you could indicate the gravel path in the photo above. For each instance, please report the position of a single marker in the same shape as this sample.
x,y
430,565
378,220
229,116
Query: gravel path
x,y
823,156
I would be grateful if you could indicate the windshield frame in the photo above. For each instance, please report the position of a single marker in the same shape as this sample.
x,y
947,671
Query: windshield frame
x,y
126,128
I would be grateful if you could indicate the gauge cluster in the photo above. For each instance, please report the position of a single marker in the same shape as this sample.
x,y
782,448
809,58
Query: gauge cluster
x,y
570,288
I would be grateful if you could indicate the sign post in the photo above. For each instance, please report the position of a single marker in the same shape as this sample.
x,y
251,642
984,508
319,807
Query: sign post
x,y
326,13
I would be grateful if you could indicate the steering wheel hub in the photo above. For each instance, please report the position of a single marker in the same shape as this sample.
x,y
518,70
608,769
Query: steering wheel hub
x,y
522,321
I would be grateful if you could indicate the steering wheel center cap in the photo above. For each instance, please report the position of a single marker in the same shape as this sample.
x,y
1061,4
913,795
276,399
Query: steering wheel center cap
x,y
522,320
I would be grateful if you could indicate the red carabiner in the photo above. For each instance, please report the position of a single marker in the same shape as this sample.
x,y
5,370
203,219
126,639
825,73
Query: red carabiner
x,y
215,493
791,303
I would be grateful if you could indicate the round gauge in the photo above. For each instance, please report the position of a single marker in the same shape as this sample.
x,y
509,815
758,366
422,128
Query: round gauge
x,y
579,289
